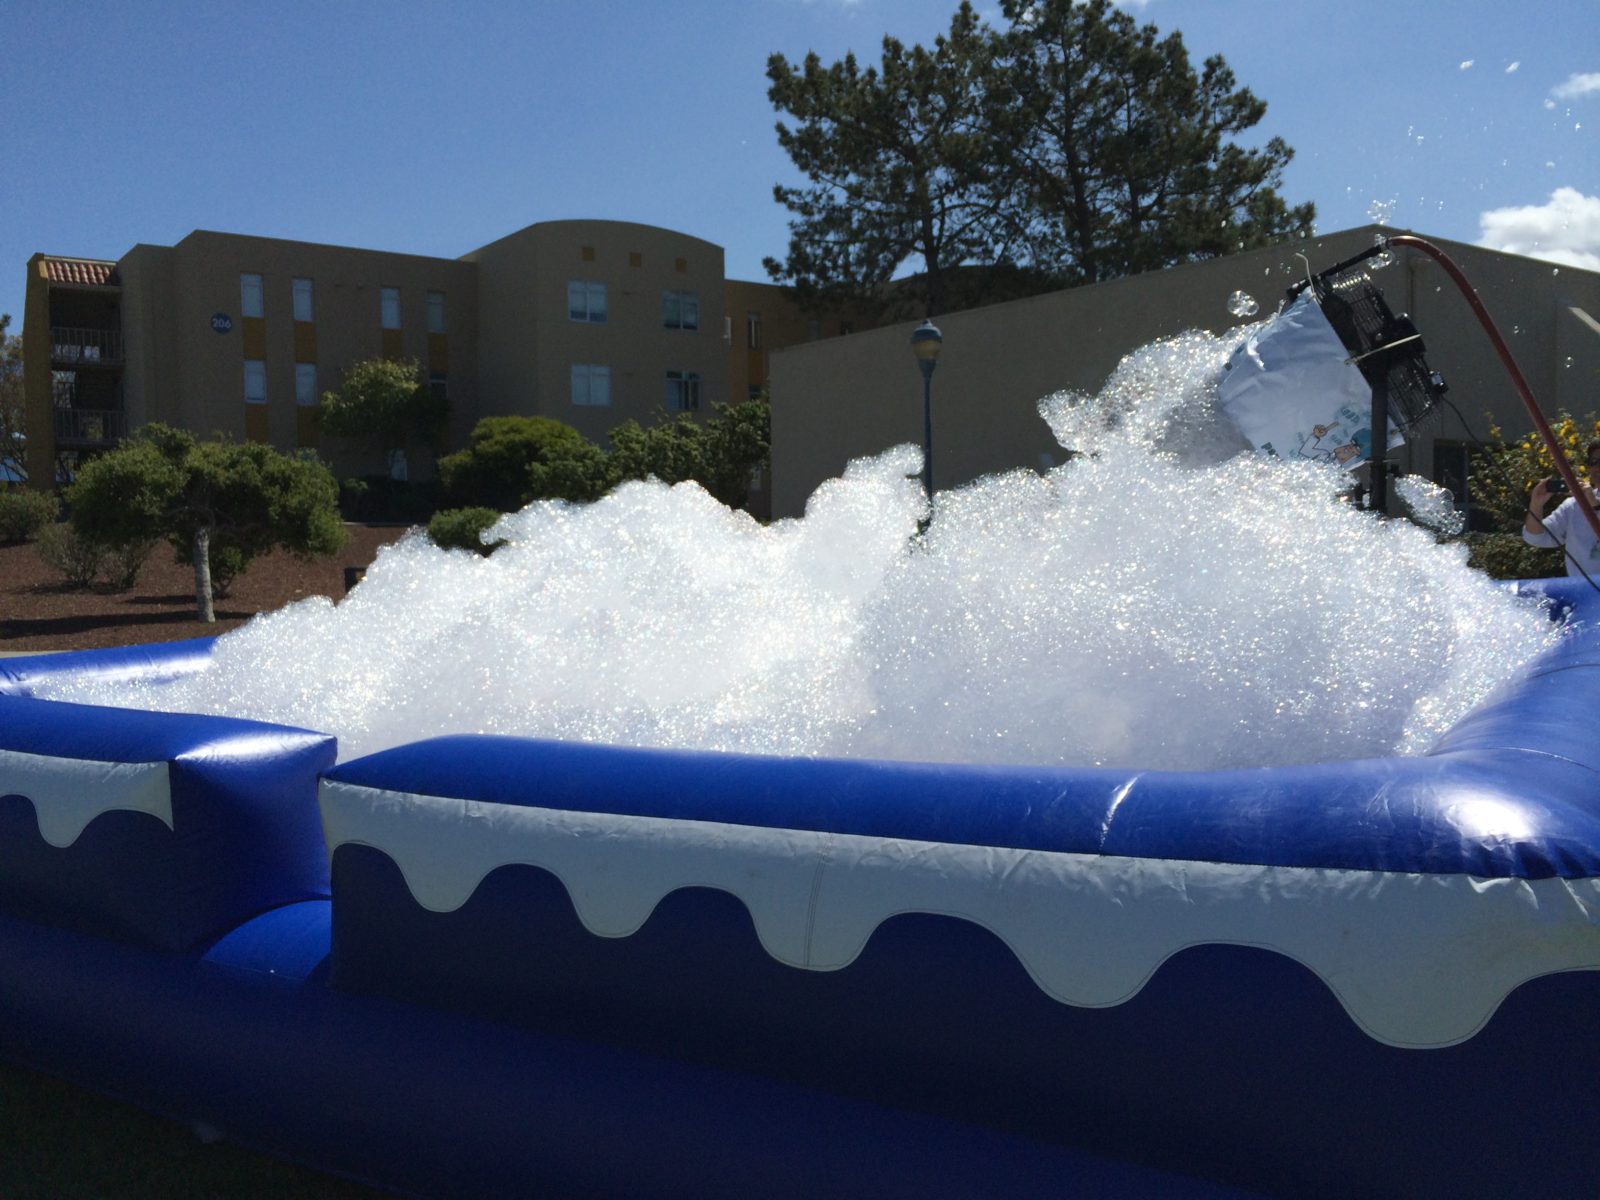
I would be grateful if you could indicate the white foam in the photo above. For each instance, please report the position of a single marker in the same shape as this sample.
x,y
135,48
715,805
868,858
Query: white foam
x,y
1161,601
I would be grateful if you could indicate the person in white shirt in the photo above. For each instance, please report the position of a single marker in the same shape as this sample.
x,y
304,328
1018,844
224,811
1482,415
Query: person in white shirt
x,y
1567,526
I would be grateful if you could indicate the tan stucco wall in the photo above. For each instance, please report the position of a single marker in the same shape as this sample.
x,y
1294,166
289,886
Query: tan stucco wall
x,y
529,343
782,324
347,284
841,398
149,298
40,456
510,346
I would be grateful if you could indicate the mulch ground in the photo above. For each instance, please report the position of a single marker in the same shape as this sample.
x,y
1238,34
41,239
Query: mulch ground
x,y
38,611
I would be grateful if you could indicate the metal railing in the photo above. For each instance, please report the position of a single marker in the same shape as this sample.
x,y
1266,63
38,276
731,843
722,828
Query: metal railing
x,y
89,426
70,345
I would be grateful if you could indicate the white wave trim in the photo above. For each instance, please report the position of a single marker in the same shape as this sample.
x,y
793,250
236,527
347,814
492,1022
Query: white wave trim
x,y
68,793
1416,960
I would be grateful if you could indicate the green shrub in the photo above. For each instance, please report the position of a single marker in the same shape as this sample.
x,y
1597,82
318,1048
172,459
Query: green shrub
x,y
461,529
122,564
219,503
512,460
227,564
1507,556
377,499
63,549
24,513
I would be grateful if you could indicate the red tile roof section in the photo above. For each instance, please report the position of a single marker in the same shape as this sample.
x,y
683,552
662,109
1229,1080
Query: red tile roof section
x,y
81,270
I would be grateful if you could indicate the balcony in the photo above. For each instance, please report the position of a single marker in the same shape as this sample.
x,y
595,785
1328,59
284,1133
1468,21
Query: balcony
x,y
80,428
73,347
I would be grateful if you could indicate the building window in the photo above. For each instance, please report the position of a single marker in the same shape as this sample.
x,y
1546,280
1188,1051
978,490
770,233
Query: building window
x,y
435,312
438,385
305,384
255,381
391,308
591,385
683,391
302,300
680,310
250,296
752,330
586,301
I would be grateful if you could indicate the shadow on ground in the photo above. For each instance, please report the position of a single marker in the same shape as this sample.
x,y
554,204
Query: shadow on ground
x,y
59,1142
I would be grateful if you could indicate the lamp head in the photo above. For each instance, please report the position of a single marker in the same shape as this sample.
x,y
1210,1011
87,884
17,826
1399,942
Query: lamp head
x,y
926,342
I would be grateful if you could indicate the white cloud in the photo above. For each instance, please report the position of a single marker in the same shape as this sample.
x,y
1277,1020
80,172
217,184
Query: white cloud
x,y
1467,65
1512,67
1566,230
1577,86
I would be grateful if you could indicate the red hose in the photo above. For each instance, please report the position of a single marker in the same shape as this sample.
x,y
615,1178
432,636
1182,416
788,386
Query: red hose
x,y
1579,493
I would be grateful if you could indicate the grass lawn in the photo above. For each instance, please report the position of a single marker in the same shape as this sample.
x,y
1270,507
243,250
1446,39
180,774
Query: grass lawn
x,y
59,1142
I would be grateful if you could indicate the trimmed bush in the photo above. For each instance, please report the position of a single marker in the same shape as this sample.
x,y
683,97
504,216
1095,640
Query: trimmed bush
x,y
512,460
1507,556
23,514
122,564
377,499
63,549
462,529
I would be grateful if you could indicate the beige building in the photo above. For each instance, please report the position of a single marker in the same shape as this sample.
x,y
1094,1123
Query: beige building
x,y
598,322
590,322
841,398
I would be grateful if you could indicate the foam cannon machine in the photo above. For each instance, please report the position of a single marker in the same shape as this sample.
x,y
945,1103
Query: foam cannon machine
x,y
1338,377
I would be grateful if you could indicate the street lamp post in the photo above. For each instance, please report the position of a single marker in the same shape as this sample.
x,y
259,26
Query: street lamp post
x,y
926,342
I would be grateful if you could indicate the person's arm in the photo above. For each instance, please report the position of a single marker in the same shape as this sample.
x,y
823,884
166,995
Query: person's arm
x,y
1536,532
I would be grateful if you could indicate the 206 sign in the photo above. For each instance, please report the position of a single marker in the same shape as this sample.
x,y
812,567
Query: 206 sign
x,y
221,322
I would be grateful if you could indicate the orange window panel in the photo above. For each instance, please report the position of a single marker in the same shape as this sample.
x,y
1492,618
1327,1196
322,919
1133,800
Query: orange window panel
x,y
439,353
305,342
256,426
253,334
307,426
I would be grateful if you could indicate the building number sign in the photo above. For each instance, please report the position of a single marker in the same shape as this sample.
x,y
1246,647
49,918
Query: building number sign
x,y
221,322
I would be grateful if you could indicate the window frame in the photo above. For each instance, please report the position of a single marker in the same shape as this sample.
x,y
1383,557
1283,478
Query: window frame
x,y
384,296
683,391
303,371
302,286
260,373
586,312
680,309
259,291
436,304
589,374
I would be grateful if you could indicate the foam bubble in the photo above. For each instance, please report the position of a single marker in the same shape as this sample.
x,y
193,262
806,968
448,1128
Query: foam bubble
x,y
1162,600
1430,504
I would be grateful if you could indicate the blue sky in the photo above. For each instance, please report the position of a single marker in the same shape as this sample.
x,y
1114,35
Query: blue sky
x,y
435,128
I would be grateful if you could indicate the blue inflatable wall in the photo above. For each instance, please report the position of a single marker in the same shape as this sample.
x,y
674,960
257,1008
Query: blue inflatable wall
x,y
502,967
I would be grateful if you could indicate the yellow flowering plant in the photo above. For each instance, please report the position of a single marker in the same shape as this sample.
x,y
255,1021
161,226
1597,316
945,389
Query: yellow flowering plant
x,y
1503,473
